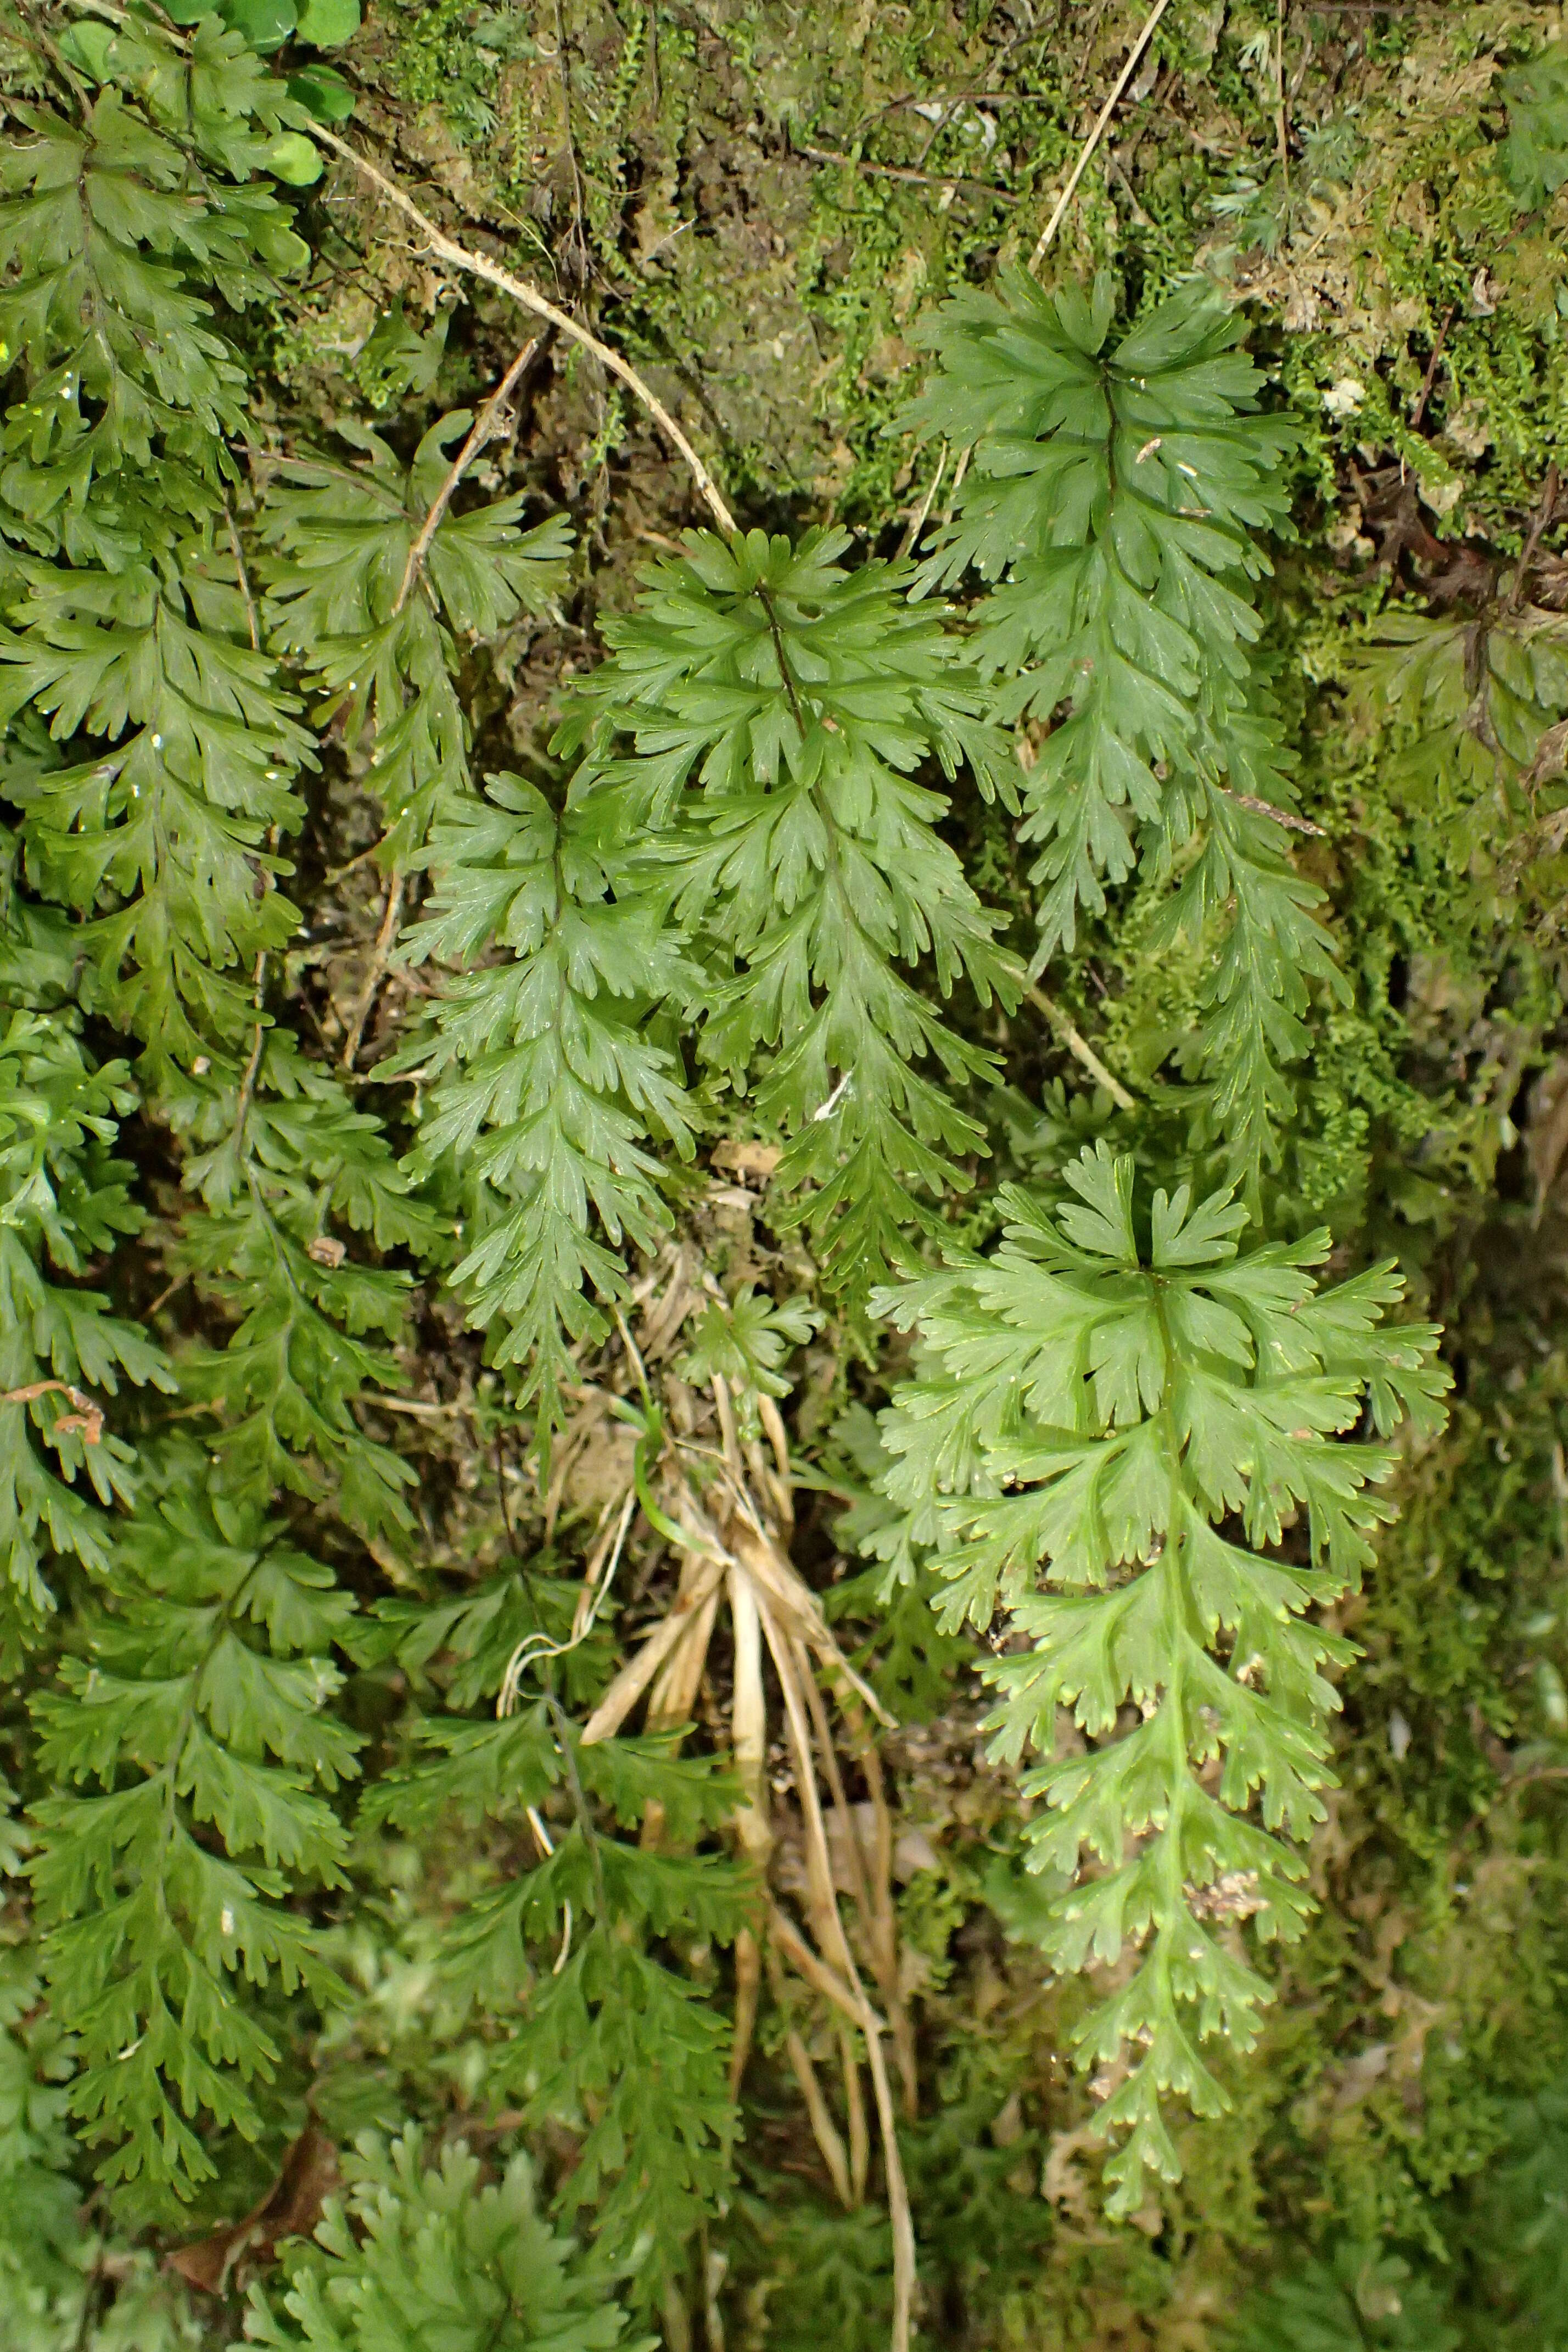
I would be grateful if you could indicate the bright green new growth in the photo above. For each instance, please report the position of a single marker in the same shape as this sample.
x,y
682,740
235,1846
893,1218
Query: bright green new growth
x,y
1096,1403
1119,491
423,2254
198,1703
777,710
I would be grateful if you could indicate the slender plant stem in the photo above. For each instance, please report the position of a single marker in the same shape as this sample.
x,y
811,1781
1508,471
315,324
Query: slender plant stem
x,y
1095,136
1079,1044
478,265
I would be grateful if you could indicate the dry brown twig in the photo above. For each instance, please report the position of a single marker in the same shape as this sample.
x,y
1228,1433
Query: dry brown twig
x,y
478,265
1079,1047
728,1507
1095,136
88,1416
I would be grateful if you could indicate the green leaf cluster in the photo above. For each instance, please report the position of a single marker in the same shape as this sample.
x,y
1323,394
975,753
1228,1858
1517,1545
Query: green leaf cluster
x,y
195,1709
425,2253
758,730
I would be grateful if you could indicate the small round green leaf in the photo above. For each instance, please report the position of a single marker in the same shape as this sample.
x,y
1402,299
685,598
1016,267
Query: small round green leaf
x,y
189,12
86,46
265,25
295,159
328,23
326,94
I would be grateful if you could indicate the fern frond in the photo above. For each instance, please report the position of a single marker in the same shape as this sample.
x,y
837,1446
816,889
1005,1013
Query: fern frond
x,y
278,1165
1093,1402
1119,490
761,717
430,2254
546,1081
602,2036
199,1704
177,817
372,604
64,1201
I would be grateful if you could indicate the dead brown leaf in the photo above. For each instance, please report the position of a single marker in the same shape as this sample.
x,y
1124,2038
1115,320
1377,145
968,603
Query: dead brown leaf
x,y
290,2209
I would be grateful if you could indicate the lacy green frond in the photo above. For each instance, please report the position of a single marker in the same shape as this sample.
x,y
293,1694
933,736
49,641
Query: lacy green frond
x,y
1116,490
372,598
160,838
544,1079
199,1703
761,725
602,2030
294,1183
1097,1406
64,1202
1470,706
432,2253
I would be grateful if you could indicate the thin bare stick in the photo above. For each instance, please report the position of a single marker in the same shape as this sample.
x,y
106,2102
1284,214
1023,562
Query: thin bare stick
x,y
252,619
778,1579
1076,1044
534,1649
1546,507
855,2108
479,432
883,1925
385,939
865,2015
824,2130
478,265
901,172
748,1981
854,1858
859,2144
899,2212
636,1675
816,1971
821,1900
748,1719
1095,136
483,426
1286,817
918,522
1430,378
674,1693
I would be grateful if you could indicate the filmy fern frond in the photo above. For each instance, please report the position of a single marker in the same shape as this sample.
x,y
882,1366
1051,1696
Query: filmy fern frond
x,y
761,720
598,2030
426,2253
199,1705
1120,489
373,601
284,1168
545,1082
1094,1401
64,1202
